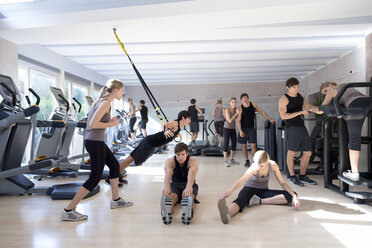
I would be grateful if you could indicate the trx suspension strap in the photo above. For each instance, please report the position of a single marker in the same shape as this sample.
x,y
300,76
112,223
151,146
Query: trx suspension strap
x,y
144,85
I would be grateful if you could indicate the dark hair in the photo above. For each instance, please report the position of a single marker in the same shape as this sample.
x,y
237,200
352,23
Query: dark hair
x,y
243,95
193,101
183,114
292,82
142,101
180,147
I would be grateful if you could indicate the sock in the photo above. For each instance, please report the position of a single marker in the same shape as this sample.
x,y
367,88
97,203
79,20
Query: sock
x,y
118,199
68,210
302,176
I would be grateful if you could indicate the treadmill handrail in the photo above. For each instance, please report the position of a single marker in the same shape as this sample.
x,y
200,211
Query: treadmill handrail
x,y
209,127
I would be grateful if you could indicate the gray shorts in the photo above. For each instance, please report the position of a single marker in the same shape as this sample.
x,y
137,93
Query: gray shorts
x,y
298,138
194,127
250,135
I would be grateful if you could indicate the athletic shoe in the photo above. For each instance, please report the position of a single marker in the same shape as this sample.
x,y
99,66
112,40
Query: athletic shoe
x,y
107,180
165,206
307,180
351,175
226,164
254,201
120,203
247,163
233,162
186,203
224,211
295,181
73,215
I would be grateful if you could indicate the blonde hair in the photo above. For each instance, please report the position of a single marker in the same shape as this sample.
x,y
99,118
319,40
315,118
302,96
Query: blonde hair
x,y
326,84
232,98
219,101
261,157
109,87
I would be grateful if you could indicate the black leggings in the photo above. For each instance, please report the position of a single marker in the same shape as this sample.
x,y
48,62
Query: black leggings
x,y
355,127
229,134
247,192
132,121
100,155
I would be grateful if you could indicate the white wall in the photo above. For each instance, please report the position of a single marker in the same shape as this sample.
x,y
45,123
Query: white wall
x,y
9,59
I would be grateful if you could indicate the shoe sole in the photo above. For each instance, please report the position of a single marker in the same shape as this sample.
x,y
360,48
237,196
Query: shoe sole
x,y
122,206
165,205
67,219
299,185
222,208
304,182
186,203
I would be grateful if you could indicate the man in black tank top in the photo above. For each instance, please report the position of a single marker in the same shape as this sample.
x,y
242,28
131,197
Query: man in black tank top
x,y
298,139
246,127
194,125
179,185
144,118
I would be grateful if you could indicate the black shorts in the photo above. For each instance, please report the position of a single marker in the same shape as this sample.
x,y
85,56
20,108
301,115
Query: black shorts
x,y
143,151
218,125
298,138
143,123
250,135
247,192
194,127
178,188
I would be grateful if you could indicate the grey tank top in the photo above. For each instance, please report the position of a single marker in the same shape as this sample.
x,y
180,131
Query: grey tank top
x,y
256,181
96,134
134,113
350,95
227,124
218,114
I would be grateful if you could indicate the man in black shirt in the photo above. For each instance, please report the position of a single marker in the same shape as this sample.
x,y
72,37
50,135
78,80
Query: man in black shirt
x,y
291,110
247,129
194,125
144,118
179,185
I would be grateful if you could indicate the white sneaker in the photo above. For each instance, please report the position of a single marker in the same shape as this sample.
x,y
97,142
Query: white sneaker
x,y
234,162
187,211
73,215
165,206
227,164
120,204
254,201
351,175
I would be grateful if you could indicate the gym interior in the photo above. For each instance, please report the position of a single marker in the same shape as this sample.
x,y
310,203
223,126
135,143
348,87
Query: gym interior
x,y
57,55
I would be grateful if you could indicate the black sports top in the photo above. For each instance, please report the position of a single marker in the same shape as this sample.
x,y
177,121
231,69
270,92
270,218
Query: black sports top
x,y
144,112
180,172
193,112
158,139
248,115
295,105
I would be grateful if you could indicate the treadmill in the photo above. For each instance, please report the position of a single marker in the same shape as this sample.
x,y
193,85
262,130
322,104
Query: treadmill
x,y
212,150
195,150
14,132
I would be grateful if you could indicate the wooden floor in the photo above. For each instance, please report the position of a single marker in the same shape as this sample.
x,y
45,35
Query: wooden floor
x,y
325,219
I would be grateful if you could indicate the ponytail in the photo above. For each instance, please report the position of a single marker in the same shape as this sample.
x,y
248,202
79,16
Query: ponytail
x,y
111,84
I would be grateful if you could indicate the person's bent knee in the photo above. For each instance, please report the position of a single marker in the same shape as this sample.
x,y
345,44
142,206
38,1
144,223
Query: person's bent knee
x,y
90,184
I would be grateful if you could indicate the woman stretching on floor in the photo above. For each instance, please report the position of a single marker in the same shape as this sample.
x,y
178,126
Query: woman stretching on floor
x,y
256,190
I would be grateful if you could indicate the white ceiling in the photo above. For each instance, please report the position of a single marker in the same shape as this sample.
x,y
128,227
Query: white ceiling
x,y
200,41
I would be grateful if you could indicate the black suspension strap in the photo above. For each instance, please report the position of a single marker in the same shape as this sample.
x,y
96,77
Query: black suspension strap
x,y
143,83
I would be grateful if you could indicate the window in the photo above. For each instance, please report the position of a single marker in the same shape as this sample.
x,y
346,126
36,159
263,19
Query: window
x,y
79,92
40,82
22,85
